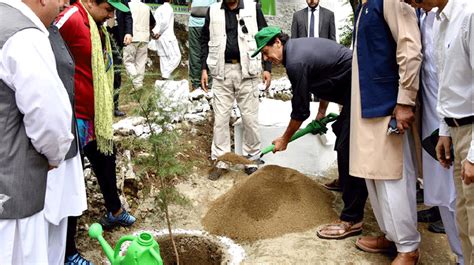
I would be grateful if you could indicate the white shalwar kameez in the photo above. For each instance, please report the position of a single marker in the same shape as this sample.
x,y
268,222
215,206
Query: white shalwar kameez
x,y
65,196
438,184
167,44
27,65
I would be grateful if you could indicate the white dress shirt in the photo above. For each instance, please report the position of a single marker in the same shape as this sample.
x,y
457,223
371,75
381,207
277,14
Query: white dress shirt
x,y
455,58
316,21
28,67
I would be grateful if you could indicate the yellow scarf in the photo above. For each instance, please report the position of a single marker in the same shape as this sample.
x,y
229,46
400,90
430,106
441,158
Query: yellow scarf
x,y
103,78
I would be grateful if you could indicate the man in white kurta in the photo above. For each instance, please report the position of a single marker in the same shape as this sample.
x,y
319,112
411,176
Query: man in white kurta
x,y
28,67
438,184
166,43
455,106
387,161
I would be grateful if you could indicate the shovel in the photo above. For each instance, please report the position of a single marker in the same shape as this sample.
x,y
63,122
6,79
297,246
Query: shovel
x,y
314,127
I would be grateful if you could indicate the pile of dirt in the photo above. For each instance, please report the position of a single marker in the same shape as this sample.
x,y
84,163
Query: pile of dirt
x,y
234,159
273,201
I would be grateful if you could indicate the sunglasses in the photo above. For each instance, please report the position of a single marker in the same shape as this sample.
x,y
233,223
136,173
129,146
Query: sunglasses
x,y
242,24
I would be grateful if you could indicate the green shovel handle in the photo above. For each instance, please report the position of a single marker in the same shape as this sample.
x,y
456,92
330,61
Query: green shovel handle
x,y
316,127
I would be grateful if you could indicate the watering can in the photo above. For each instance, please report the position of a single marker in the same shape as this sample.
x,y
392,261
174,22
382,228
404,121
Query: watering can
x,y
314,127
143,248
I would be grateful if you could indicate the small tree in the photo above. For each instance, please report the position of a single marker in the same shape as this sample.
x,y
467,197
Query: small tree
x,y
162,163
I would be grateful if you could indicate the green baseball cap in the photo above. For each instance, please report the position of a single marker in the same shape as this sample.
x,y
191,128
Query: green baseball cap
x,y
118,5
264,36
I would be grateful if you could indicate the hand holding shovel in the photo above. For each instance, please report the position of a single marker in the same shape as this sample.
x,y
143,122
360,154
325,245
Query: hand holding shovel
x,y
314,127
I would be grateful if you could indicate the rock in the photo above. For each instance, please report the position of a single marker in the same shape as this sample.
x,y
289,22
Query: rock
x,y
195,118
197,94
129,126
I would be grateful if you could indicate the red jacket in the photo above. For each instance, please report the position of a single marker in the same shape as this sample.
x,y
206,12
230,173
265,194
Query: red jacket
x,y
73,25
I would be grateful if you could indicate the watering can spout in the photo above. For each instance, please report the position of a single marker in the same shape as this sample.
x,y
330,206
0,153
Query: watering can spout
x,y
95,231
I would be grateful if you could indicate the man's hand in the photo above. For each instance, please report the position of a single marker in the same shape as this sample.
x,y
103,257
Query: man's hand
x,y
280,144
320,115
443,151
405,116
267,79
467,172
127,39
323,106
204,80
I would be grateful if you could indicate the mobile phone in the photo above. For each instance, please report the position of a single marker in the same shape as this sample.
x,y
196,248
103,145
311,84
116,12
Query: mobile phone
x,y
392,127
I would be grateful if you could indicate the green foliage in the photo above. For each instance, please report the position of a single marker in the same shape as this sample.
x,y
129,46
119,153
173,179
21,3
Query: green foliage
x,y
346,36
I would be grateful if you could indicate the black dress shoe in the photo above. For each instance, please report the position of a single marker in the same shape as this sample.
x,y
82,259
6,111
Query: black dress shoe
x,y
430,215
250,170
420,198
118,113
437,227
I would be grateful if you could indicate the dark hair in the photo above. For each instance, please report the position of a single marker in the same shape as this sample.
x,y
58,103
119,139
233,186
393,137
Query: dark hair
x,y
283,37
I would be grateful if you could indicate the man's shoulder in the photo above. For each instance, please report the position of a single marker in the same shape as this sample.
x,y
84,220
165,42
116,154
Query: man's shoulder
x,y
323,9
301,11
70,15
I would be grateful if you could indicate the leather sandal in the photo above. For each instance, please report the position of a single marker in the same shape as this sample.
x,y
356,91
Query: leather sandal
x,y
334,185
339,230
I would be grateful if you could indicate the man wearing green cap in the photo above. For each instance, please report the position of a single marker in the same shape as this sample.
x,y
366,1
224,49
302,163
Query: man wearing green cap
x,y
321,67
82,27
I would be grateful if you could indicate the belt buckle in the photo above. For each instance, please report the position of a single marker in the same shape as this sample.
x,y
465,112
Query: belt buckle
x,y
234,61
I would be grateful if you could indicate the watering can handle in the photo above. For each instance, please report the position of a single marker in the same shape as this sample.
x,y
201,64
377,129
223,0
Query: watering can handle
x,y
156,255
119,244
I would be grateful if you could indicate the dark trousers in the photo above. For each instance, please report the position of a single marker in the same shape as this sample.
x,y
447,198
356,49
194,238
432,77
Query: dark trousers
x,y
117,58
354,190
195,64
71,236
104,169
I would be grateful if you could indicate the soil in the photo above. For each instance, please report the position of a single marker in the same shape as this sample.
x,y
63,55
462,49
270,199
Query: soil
x,y
271,202
235,159
191,249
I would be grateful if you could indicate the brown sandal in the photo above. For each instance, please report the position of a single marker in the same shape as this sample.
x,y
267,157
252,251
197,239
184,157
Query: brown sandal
x,y
334,185
339,230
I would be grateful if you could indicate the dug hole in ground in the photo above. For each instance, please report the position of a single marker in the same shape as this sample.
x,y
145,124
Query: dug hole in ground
x,y
272,214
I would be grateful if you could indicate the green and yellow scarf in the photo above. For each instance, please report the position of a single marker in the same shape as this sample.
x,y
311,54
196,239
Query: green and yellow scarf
x,y
103,78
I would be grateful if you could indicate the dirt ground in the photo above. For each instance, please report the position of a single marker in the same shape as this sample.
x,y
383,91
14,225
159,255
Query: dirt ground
x,y
295,248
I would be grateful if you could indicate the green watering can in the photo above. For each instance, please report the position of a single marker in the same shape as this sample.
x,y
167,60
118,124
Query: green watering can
x,y
143,248
314,127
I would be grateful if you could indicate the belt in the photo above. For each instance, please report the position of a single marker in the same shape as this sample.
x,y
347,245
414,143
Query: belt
x,y
452,122
232,61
